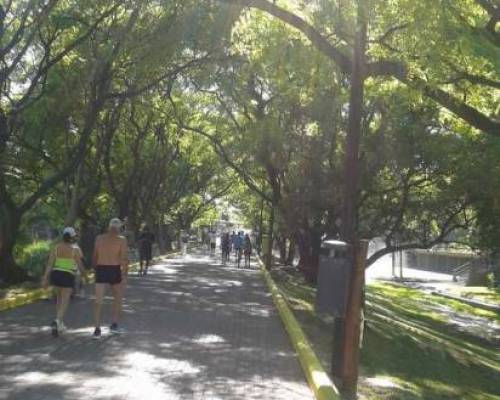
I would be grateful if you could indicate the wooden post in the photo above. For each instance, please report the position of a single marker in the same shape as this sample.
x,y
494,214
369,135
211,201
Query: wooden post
x,y
358,250
352,325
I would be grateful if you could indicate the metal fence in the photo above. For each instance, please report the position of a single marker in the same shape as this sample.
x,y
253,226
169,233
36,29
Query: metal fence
x,y
444,262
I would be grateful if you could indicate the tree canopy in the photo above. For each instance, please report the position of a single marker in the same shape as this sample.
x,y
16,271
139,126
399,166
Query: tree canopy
x,y
155,110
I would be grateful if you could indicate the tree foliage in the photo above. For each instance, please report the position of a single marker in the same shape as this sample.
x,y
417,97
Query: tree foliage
x,y
154,111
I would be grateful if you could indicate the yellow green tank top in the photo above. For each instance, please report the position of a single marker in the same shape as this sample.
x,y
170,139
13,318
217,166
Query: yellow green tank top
x,y
64,264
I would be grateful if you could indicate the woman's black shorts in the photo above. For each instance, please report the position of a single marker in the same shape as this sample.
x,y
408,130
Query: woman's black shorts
x,y
62,279
110,274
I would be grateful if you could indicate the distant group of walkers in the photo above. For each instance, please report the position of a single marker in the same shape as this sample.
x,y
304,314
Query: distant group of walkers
x,y
110,264
240,243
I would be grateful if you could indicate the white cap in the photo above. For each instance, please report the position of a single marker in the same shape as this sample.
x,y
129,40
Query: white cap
x,y
115,223
69,231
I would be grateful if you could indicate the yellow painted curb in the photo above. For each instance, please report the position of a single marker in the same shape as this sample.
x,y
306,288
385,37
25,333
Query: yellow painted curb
x,y
24,298
316,376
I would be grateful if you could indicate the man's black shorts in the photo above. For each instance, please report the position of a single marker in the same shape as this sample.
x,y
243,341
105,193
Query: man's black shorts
x,y
110,274
145,254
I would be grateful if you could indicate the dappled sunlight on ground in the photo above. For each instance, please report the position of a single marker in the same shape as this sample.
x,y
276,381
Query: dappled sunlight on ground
x,y
482,324
193,331
411,350
382,381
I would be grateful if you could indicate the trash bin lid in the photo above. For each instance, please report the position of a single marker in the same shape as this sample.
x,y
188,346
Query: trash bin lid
x,y
334,244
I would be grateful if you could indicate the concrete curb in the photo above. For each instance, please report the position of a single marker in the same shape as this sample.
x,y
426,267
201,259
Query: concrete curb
x,y
470,302
316,376
33,295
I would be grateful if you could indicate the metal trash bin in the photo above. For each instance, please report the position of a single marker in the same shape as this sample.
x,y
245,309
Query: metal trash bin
x,y
333,279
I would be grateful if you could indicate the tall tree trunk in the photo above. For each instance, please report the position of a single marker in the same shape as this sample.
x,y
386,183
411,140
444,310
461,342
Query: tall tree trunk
x,y
291,251
261,226
10,221
282,247
88,233
168,242
270,244
124,205
351,336
301,246
309,249
4,130
315,252
74,206
10,218
304,246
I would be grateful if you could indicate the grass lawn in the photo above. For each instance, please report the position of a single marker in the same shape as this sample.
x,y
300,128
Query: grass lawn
x,y
411,349
480,293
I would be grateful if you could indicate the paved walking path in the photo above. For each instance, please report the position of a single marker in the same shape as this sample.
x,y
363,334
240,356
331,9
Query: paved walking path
x,y
195,330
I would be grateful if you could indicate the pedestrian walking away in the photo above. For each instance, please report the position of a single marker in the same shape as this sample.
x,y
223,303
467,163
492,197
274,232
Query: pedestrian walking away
x,y
238,247
64,260
247,250
233,242
184,243
213,242
110,262
225,245
145,245
233,239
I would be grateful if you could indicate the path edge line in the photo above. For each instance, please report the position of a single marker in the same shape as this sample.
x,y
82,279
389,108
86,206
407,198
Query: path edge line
x,y
317,378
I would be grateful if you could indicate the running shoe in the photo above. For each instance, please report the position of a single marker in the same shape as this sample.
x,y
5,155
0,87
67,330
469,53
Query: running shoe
x,y
97,333
114,328
55,328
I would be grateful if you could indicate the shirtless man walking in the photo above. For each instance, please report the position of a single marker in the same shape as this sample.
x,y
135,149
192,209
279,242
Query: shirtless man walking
x,y
110,262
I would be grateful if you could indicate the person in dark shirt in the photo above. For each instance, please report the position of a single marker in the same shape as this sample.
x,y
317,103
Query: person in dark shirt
x,y
247,248
233,242
225,245
238,247
145,244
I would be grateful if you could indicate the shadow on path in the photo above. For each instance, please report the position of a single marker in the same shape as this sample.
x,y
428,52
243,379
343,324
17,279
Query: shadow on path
x,y
194,330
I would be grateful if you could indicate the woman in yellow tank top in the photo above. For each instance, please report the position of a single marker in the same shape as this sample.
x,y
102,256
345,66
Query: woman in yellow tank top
x,y
64,260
